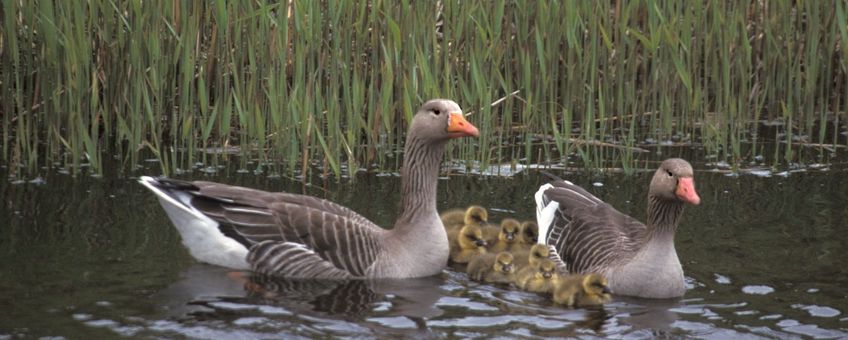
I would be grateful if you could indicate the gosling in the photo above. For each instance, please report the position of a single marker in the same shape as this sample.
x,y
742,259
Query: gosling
x,y
539,280
492,268
582,290
532,257
457,218
469,244
508,238
529,233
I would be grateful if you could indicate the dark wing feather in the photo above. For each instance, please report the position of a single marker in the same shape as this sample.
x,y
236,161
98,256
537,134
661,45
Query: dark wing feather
x,y
334,234
553,255
571,196
348,298
589,234
293,260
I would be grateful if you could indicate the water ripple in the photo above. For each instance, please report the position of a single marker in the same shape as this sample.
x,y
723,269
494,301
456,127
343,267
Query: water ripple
x,y
819,311
757,289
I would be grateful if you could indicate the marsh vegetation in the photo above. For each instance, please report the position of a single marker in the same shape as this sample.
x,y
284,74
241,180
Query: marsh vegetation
x,y
298,86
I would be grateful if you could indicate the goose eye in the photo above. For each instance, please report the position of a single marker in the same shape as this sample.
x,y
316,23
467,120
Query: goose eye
x,y
437,112
670,174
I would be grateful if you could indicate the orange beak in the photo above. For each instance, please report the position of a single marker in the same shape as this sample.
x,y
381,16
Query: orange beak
x,y
459,127
686,191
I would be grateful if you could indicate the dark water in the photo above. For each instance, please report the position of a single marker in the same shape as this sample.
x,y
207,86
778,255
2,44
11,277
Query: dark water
x,y
84,258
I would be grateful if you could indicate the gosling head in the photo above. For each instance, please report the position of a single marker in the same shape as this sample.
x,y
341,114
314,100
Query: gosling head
x,y
509,230
529,232
547,270
476,214
596,289
471,237
537,253
503,263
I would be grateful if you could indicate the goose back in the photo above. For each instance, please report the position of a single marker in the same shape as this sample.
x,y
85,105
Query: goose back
x,y
586,224
592,236
297,236
301,236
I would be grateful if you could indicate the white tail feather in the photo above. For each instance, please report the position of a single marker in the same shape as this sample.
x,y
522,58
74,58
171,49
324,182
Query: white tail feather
x,y
200,234
544,213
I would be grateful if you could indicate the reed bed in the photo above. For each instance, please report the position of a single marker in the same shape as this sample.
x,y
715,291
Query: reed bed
x,y
295,86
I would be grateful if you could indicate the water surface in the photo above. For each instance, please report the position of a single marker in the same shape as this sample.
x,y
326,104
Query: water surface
x,y
79,258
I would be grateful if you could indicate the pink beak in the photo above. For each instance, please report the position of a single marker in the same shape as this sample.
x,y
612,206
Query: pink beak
x,y
686,191
459,127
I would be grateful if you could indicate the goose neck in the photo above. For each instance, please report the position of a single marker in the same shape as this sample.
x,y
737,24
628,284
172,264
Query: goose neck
x,y
419,178
663,216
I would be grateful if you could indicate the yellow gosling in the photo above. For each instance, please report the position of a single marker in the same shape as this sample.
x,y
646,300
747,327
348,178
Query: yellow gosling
x,y
540,280
508,236
469,243
529,232
582,290
492,268
532,257
457,218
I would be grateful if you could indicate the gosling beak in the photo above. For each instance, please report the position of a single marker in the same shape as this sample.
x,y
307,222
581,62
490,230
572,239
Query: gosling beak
x,y
459,127
481,242
507,268
547,275
606,290
510,236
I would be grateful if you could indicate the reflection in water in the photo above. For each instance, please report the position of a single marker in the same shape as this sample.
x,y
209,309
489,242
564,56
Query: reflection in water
x,y
650,314
413,298
449,302
349,299
211,293
86,258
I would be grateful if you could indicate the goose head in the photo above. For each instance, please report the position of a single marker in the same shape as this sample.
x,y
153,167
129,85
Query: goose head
x,y
596,290
529,232
471,237
509,230
674,181
503,263
439,120
476,214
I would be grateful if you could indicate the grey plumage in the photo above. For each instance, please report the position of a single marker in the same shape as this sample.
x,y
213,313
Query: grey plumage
x,y
299,236
591,236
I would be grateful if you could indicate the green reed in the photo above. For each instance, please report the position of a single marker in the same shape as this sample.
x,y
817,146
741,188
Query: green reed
x,y
302,85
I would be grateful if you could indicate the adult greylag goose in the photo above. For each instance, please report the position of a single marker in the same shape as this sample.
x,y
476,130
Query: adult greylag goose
x,y
298,236
492,268
591,236
581,290
507,237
